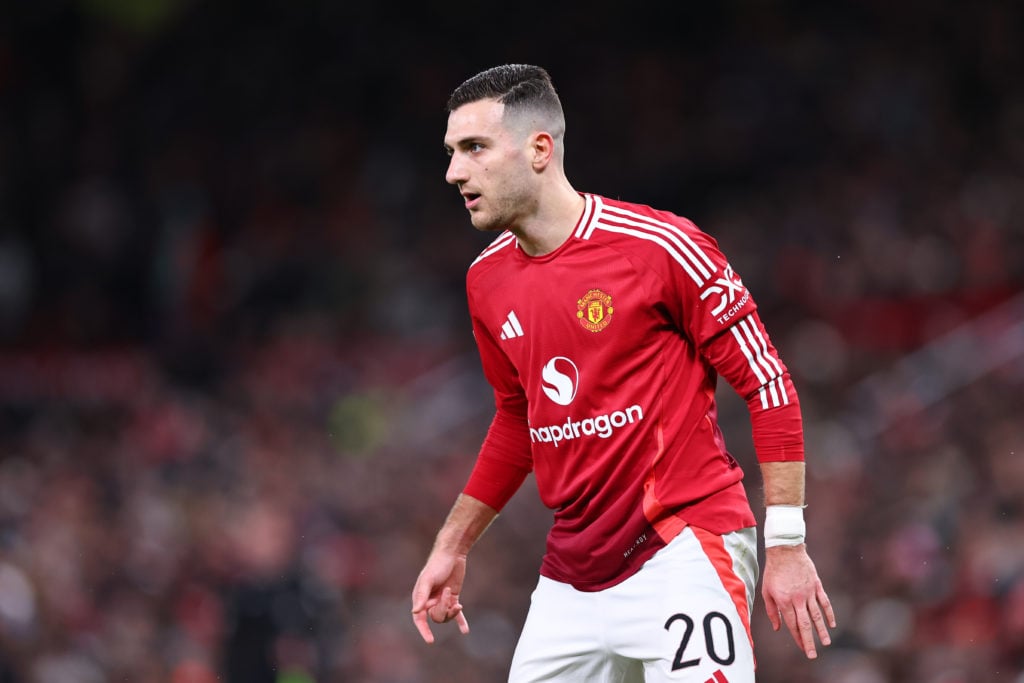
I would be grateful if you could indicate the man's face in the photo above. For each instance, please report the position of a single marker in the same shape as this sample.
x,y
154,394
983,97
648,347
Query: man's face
x,y
490,165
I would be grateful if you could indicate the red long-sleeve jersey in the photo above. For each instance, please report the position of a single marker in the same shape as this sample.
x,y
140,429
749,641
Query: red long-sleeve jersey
x,y
604,356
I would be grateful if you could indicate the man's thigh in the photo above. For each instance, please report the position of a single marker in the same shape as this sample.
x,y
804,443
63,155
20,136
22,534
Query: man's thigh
x,y
565,640
686,614
683,617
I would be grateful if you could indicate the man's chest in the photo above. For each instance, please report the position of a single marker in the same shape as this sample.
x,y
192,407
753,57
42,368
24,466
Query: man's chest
x,y
573,327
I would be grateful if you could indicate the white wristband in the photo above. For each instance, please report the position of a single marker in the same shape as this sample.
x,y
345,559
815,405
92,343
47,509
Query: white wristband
x,y
784,525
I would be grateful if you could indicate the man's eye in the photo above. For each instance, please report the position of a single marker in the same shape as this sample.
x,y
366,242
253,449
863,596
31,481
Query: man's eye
x,y
475,147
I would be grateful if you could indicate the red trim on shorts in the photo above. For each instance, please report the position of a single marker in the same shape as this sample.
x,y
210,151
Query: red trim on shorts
x,y
721,560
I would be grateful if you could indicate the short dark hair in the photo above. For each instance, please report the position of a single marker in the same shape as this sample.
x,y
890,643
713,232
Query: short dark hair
x,y
514,85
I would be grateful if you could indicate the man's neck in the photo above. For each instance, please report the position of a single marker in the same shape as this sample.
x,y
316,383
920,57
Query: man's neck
x,y
555,219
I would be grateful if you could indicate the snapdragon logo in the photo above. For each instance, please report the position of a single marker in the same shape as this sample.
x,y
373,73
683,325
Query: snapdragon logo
x,y
560,385
561,380
602,426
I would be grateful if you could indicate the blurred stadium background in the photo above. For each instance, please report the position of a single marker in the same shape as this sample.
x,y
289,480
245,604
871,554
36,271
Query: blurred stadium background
x,y
238,390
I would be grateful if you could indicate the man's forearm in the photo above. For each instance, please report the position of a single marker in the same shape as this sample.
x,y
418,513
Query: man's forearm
x,y
783,483
466,523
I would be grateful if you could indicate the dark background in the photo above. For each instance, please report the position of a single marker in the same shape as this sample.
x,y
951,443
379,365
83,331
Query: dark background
x,y
238,389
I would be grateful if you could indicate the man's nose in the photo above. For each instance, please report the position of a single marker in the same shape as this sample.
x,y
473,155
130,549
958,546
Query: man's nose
x,y
456,172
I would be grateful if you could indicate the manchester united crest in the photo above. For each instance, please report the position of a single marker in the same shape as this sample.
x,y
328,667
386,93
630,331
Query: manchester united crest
x,y
594,310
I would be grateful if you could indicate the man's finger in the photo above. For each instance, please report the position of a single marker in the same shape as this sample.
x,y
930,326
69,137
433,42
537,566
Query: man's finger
x,y
460,619
773,612
420,619
819,623
789,617
804,622
444,608
421,599
827,606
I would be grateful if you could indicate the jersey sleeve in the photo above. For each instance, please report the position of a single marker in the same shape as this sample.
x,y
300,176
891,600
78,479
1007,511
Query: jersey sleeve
x,y
505,458
745,357
716,311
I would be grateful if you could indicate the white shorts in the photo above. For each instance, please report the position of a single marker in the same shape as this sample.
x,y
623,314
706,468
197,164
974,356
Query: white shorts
x,y
685,616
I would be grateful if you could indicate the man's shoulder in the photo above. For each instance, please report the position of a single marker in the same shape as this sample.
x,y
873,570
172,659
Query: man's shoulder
x,y
644,227
661,239
494,251
618,211
493,255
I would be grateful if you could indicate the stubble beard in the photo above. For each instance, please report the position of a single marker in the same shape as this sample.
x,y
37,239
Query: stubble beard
x,y
505,212
486,222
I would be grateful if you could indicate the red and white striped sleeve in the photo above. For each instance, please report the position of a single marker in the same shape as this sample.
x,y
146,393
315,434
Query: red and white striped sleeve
x,y
717,312
745,357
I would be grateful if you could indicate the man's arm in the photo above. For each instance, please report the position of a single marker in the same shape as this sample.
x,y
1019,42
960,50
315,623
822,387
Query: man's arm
x,y
720,315
439,584
501,467
791,589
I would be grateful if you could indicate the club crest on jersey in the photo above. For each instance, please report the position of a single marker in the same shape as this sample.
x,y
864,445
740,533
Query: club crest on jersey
x,y
594,310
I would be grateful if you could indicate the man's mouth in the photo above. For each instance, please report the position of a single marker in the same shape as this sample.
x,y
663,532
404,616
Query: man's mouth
x,y
472,198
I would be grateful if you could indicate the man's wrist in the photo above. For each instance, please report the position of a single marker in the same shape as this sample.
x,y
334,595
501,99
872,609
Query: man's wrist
x,y
784,525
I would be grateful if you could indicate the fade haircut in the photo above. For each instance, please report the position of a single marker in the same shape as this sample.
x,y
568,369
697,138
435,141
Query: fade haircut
x,y
522,88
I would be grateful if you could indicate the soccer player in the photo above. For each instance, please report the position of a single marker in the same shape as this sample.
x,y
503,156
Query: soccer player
x,y
602,327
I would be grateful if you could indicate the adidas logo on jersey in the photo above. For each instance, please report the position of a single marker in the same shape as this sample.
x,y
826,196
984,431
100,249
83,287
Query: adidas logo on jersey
x,y
511,329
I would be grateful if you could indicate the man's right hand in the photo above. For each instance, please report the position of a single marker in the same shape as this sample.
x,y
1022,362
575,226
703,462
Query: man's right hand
x,y
436,593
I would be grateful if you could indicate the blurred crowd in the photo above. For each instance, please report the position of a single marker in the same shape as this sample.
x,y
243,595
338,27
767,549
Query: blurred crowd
x,y
238,388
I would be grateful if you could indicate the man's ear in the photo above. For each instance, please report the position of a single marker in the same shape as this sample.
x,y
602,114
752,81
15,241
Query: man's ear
x,y
542,150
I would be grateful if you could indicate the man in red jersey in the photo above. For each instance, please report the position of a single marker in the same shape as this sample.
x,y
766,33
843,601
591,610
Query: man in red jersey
x,y
602,327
